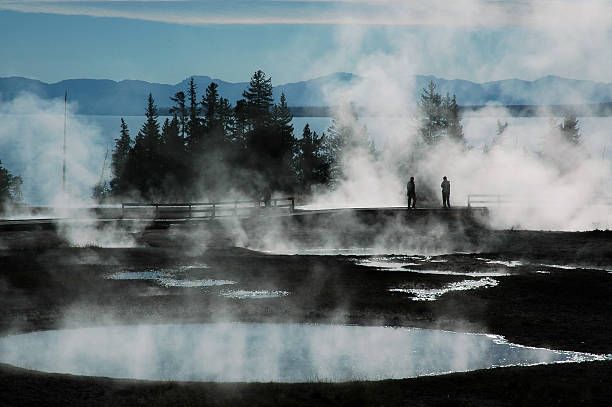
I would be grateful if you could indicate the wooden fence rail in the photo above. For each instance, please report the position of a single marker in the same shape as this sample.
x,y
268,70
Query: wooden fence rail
x,y
485,200
193,210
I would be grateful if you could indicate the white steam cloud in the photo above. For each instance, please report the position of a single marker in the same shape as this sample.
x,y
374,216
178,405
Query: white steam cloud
x,y
33,132
563,190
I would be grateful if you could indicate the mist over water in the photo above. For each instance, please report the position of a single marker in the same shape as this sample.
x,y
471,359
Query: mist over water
x,y
239,352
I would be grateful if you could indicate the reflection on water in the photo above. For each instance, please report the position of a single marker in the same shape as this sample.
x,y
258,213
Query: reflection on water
x,y
431,294
173,282
136,275
247,294
164,277
406,263
266,352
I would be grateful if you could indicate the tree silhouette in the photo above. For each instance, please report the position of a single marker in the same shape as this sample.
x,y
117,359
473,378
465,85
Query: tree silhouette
x,y
440,117
312,163
180,110
145,164
119,183
569,128
259,99
10,188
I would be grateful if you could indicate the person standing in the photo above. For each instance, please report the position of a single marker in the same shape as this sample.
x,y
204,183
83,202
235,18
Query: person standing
x,y
411,192
445,192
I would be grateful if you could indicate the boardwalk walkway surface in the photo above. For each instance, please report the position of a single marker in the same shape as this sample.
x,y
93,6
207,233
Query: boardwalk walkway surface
x,y
163,216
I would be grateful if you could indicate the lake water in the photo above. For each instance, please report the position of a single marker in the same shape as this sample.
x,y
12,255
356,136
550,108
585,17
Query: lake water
x,y
246,352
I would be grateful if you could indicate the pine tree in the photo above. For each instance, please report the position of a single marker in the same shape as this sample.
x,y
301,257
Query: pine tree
x,y
180,110
501,128
440,117
344,137
454,129
241,123
174,170
312,165
119,158
212,109
10,188
259,100
145,165
285,143
570,130
432,117
194,127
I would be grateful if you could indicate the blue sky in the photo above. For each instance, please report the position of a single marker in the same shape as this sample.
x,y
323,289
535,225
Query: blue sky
x,y
166,41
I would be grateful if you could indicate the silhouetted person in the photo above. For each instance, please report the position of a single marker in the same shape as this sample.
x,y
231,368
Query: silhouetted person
x,y
445,185
411,193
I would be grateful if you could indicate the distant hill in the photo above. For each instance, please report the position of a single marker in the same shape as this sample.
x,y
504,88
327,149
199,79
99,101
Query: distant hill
x,y
107,97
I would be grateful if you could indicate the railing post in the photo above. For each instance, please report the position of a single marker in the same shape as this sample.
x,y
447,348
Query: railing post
x,y
292,204
469,196
189,211
156,211
122,210
213,210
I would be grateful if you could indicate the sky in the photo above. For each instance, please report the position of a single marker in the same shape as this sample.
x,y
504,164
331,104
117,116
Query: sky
x,y
167,41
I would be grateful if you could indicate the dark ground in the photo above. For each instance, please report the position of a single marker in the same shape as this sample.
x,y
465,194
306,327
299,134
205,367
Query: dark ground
x,y
46,284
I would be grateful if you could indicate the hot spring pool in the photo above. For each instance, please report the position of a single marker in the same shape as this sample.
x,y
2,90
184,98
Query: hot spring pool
x,y
232,352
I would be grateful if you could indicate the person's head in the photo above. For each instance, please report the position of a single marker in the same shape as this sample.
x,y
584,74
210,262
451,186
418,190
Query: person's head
x,y
411,178
444,178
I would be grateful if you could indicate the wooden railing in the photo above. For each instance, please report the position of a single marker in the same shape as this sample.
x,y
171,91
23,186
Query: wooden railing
x,y
481,200
486,200
199,210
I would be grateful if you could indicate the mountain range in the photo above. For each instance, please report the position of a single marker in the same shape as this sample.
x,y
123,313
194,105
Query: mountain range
x,y
128,97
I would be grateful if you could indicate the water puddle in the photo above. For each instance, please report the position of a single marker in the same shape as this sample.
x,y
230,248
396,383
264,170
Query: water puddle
x,y
392,264
509,263
173,282
431,294
559,266
388,265
490,273
243,352
136,275
253,294
164,278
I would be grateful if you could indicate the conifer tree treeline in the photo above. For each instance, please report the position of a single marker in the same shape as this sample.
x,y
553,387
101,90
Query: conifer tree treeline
x,y
440,117
213,149
10,188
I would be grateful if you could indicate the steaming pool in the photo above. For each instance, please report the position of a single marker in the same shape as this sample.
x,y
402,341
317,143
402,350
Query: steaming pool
x,y
248,352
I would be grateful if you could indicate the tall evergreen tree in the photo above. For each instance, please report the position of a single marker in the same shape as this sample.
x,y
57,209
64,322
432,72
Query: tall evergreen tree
x,y
285,143
501,128
432,117
345,137
312,164
241,123
10,188
440,117
119,158
212,109
145,165
452,122
570,130
259,100
194,127
180,110
174,170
